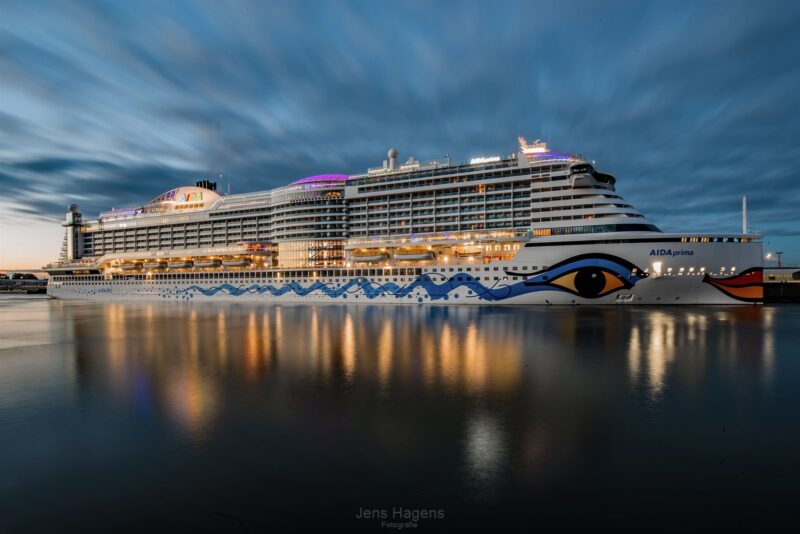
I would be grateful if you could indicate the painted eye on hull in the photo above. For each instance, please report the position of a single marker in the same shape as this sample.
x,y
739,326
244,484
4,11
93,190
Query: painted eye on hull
x,y
588,275
590,282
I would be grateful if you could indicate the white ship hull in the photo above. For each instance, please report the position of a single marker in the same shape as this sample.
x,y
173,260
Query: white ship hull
x,y
640,272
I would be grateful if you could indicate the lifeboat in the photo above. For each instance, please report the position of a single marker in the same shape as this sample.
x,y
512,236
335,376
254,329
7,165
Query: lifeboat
x,y
236,263
207,263
155,265
130,266
469,253
370,258
413,256
179,264
261,249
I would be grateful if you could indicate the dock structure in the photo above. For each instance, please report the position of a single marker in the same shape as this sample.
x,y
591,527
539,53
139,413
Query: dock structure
x,y
24,286
782,285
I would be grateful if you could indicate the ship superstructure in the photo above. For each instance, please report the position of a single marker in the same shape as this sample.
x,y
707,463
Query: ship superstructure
x,y
404,232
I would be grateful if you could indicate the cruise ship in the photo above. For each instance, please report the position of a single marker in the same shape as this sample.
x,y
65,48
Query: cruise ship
x,y
534,227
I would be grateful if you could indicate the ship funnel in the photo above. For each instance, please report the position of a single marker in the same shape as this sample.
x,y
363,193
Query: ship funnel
x,y
206,184
393,154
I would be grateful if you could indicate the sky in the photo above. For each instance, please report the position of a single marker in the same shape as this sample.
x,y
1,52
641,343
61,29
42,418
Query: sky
x,y
107,104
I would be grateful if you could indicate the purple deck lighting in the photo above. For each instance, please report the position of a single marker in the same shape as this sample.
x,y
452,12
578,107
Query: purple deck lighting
x,y
322,178
552,155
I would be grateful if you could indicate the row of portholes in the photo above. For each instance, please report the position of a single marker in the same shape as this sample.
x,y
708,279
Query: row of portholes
x,y
688,271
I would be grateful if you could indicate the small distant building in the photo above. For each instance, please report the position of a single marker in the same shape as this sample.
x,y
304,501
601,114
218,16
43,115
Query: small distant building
x,y
24,276
783,274
22,282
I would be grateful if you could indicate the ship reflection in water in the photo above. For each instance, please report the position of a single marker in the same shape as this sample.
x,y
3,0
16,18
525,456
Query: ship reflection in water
x,y
159,415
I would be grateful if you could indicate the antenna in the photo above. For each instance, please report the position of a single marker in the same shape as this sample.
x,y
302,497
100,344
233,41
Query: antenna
x,y
744,214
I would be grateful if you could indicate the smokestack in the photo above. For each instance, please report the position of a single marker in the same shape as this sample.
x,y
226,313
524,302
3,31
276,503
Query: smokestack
x,y
393,154
744,214
206,184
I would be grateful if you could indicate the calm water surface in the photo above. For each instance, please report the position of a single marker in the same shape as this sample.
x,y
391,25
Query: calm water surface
x,y
248,418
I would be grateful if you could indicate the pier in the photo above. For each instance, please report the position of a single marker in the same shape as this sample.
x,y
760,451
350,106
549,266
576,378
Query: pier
x,y
782,285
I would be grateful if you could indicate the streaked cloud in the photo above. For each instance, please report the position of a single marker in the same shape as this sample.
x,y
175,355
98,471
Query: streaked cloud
x,y
689,104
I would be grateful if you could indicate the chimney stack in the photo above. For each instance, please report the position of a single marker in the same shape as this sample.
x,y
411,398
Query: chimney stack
x,y
744,214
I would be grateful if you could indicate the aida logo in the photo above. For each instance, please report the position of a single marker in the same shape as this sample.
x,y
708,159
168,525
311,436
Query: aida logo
x,y
197,196
671,252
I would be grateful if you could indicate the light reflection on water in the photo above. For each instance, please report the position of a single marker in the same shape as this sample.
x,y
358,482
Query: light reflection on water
x,y
485,451
461,351
498,403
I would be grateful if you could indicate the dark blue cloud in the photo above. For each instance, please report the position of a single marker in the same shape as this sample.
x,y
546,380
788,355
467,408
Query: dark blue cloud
x,y
690,104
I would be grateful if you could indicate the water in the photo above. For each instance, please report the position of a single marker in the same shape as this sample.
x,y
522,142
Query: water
x,y
248,418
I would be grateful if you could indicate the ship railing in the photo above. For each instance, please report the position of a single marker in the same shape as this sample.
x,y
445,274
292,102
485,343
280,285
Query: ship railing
x,y
388,241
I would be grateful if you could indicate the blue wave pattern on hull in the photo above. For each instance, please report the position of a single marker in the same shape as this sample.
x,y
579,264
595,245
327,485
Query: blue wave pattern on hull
x,y
436,286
